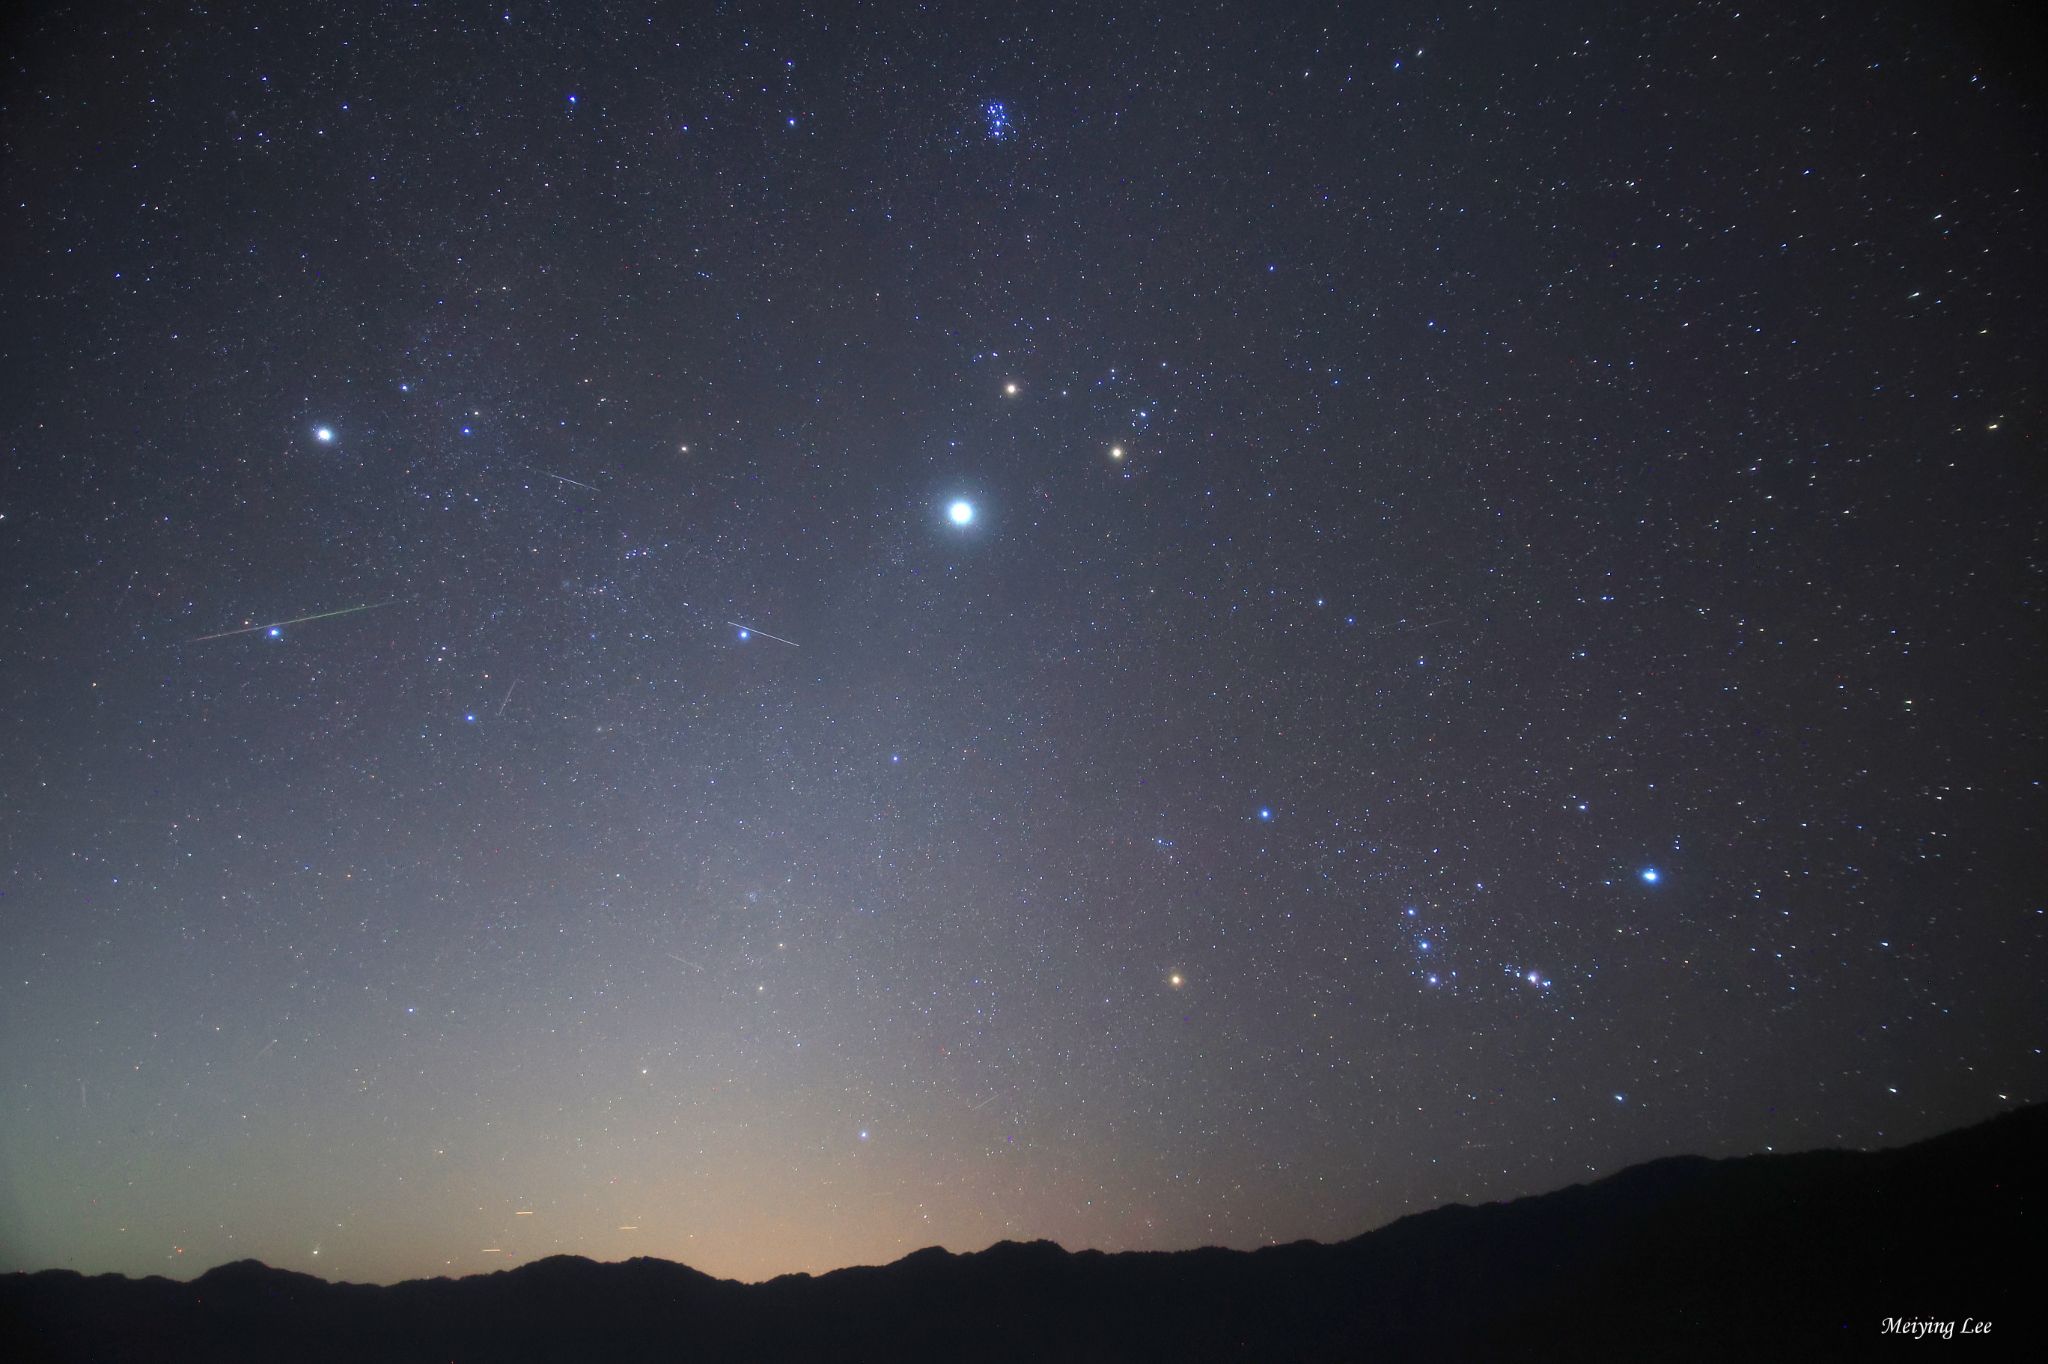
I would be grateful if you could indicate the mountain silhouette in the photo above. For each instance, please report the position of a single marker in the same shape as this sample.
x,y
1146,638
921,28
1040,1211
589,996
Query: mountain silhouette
x,y
1773,1256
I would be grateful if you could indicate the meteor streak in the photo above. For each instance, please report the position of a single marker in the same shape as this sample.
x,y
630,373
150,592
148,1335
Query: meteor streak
x,y
295,620
746,630
565,479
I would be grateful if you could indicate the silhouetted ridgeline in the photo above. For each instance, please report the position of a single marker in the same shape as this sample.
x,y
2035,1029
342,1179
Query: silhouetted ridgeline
x,y
1775,1257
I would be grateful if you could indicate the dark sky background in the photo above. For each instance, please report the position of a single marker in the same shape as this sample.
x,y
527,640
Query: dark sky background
x,y
1499,634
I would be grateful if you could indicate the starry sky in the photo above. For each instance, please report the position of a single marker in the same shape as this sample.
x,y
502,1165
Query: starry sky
x,y
772,635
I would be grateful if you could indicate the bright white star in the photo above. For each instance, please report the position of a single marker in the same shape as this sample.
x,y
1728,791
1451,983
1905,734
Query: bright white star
x,y
961,513
324,434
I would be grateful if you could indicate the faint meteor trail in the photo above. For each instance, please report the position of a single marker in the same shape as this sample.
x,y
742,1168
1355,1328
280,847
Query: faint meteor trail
x,y
508,696
1404,626
685,961
573,482
295,620
976,1108
746,630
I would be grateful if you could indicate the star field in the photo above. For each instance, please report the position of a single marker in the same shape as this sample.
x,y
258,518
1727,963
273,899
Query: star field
x,y
772,637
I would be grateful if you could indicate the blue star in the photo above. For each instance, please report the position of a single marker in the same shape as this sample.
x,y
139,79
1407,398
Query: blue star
x,y
746,635
961,513
1651,876
1265,813
274,632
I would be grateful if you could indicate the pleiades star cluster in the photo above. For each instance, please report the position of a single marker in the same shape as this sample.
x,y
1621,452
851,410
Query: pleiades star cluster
x,y
771,635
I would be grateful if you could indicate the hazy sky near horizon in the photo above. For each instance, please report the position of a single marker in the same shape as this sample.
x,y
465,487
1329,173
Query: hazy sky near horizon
x,y
771,636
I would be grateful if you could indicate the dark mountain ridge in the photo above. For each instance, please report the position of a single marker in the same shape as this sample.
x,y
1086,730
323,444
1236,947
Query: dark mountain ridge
x,y
1779,1256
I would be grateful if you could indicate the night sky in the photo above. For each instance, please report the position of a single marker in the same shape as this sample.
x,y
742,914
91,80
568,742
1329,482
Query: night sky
x,y
772,636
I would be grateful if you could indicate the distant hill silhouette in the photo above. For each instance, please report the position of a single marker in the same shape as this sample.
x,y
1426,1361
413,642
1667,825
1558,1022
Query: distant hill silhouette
x,y
1764,1257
